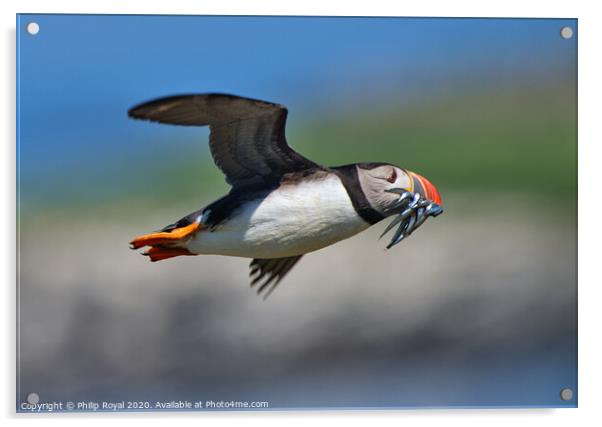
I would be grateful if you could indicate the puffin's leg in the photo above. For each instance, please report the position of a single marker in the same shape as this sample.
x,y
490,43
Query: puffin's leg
x,y
158,253
165,237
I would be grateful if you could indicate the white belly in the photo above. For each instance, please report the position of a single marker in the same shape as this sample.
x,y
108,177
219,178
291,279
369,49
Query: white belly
x,y
292,220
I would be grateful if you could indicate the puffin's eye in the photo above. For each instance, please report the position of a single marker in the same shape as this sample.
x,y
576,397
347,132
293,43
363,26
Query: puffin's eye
x,y
392,177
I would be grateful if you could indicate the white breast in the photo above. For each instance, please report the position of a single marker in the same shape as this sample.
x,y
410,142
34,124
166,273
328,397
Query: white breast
x,y
292,220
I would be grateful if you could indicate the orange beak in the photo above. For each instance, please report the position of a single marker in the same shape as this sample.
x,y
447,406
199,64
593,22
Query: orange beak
x,y
425,188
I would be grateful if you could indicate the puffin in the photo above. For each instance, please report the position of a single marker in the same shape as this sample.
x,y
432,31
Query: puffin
x,y
281,205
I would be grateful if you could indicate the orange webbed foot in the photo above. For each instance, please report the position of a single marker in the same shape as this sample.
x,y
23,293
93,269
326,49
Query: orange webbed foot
x,y
158,253
165,237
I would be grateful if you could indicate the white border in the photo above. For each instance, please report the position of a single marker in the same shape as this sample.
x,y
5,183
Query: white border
x,y
590,111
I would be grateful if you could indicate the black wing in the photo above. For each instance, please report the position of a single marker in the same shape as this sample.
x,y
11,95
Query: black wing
x,y
247,138
270,271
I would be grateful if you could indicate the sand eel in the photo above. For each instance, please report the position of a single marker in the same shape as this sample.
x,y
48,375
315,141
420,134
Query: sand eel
x,y
281,204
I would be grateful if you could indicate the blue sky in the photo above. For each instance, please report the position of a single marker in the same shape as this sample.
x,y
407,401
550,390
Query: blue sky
x,y
81,73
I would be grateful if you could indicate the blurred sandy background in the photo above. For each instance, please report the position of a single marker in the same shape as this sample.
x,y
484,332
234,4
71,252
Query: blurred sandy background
x,y
478,307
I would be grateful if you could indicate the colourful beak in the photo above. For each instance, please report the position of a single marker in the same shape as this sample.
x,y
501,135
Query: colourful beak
x,y
425,188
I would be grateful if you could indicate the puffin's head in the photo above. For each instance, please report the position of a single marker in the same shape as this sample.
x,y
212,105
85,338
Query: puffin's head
x,y
383,184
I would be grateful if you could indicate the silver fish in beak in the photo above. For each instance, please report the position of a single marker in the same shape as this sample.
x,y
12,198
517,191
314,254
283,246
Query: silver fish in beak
x,y
415,210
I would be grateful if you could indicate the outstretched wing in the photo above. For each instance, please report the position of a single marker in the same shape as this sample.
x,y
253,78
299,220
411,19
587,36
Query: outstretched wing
x,y
270,271
247,138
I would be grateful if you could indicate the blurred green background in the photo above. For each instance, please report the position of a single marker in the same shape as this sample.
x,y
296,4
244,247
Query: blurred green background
x,y
513,139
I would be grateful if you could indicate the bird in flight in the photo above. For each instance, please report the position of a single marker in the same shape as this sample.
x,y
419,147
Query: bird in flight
x,y
281,204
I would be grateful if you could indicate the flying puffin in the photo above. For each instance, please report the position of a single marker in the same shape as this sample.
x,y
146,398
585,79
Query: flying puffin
x,y
281,204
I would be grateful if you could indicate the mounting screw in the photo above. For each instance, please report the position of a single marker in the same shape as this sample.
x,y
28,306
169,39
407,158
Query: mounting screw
x,y
33,398
566,394
33,28
566,33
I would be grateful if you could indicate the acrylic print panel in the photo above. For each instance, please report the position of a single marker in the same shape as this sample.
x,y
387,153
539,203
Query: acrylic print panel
x,y
475,117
